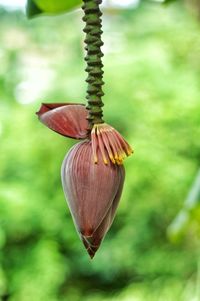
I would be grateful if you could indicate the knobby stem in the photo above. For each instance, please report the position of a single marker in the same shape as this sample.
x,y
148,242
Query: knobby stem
x,y
92,19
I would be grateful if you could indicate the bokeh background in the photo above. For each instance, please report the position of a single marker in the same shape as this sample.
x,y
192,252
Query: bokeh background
x,y
152,75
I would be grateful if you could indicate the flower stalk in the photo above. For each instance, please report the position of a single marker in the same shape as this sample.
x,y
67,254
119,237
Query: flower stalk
x,y
92,19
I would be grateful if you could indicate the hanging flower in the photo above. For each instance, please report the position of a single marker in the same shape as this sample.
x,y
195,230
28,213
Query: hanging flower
x,y
92,171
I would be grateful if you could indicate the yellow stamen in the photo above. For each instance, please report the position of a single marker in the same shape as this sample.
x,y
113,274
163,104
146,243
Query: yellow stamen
x,y
110,144
94,145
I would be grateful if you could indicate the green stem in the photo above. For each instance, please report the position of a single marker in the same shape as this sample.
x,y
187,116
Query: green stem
x,y
92,18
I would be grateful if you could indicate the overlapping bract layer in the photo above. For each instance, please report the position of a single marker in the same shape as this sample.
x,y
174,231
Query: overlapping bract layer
x,y
93,192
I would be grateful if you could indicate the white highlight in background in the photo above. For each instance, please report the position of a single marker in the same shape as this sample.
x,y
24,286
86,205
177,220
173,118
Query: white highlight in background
x,y
13,3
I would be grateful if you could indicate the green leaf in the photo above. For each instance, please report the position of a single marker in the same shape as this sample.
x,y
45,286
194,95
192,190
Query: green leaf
x,y
54,6
36,7
32,9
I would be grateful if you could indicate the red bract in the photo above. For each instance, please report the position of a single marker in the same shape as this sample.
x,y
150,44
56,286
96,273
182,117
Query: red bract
x,y
66,119
93,192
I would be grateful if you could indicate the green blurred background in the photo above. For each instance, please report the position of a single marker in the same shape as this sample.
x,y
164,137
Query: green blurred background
x,y
152,75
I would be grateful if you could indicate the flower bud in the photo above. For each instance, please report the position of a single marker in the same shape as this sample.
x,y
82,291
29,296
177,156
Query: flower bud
x,y
92,192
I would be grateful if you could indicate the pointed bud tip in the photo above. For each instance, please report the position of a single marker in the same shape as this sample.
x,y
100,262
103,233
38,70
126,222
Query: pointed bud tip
x,y
91,253
88,244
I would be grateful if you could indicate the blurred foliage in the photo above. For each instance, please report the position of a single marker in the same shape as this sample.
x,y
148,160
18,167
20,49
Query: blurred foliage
x,y
189,213
169,1
152,75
